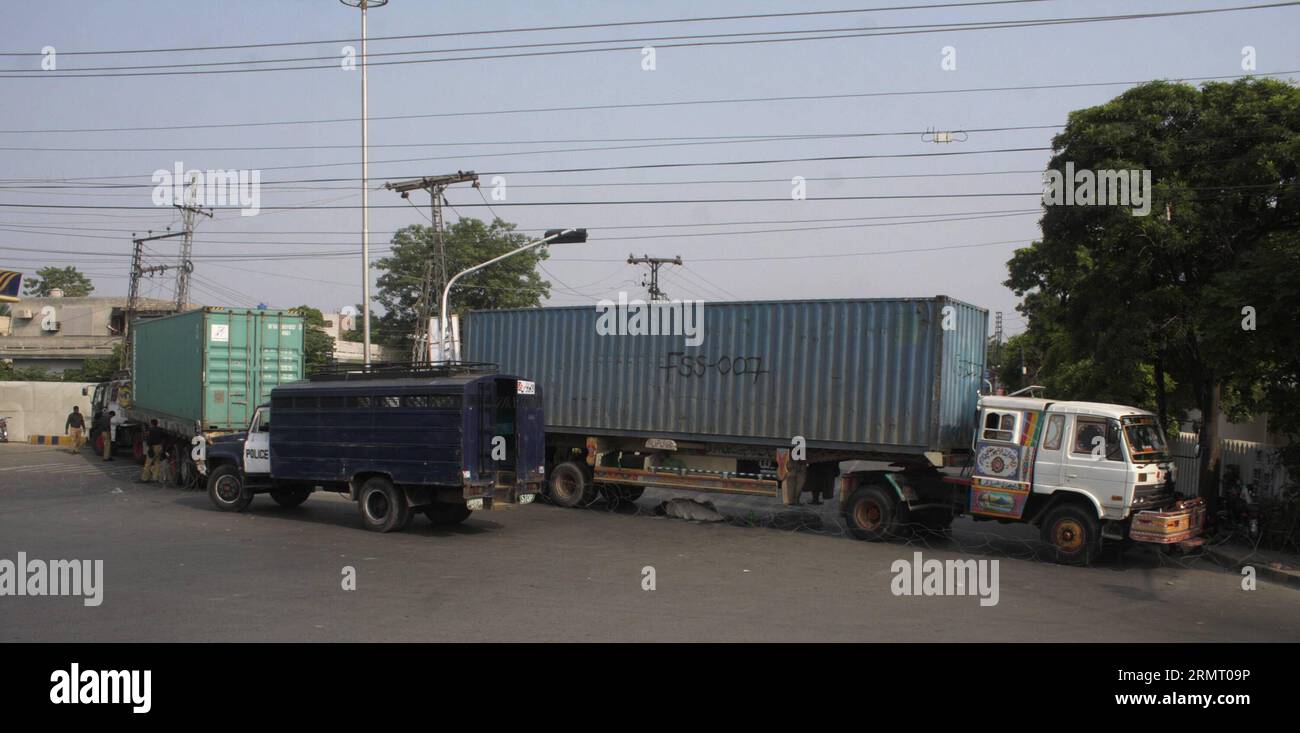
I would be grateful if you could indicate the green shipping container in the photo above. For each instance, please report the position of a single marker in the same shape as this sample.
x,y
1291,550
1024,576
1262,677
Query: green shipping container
x,y
213,366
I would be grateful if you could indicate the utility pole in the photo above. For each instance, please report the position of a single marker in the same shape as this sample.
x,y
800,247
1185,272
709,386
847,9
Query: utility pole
x,y
189,213
133,294
997,346
435,185
655,263
364,5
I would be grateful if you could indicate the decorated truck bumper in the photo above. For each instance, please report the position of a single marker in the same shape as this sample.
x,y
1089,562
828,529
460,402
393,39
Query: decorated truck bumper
x,y
1182,522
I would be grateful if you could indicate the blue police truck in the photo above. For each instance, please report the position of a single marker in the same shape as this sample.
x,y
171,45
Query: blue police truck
x,y
441,439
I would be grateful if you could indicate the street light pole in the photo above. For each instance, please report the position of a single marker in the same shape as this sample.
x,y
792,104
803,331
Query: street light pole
x,y
365,178
556,236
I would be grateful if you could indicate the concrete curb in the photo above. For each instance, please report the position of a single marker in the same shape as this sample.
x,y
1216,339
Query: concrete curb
x,y
1288,577
50,439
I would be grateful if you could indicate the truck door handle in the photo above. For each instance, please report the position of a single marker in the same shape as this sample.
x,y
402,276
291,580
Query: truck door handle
x,y
1072,475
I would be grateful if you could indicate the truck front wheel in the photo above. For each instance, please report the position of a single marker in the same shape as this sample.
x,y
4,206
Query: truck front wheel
x,y
226,489
383,507
872,514
1073,533
570,485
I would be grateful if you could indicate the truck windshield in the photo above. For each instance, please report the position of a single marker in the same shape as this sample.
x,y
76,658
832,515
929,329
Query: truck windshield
x,y
1145,440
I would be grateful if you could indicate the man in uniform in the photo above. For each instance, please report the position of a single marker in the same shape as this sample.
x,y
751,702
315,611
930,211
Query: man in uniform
x,y
153,446
104,426
75,428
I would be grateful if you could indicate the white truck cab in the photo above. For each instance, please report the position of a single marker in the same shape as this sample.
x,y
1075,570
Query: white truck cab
x,y
1081,471
1111,459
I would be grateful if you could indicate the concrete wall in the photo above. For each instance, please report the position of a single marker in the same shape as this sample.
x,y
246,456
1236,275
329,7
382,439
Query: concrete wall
x,y
40,408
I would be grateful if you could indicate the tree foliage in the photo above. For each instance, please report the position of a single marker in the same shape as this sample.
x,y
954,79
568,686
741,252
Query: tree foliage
x,y
317,346
511,283
1150,310
68,279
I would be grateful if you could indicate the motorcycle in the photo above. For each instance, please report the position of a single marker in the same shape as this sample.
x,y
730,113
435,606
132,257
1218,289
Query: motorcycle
x,y
4,429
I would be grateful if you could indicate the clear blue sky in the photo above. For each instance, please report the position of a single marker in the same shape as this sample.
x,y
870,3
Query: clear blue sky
x,y
718,267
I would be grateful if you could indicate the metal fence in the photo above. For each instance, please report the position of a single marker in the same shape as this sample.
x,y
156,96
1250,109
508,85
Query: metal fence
x,y
1260,466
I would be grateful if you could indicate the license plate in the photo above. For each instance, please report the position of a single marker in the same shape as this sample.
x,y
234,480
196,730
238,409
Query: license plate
x,y
525,387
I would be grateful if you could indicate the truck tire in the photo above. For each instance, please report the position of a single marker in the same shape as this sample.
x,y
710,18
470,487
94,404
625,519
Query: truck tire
x,y
383,506
570,486
445,514
1073,534
290,498
872,514
226,489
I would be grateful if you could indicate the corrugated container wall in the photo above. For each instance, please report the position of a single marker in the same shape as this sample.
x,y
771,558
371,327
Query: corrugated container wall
x,y
882,375
215,365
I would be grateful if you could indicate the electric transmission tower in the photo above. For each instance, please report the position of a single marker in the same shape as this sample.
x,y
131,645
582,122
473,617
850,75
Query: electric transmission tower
x,y
655,263
138,270
189,215
433,279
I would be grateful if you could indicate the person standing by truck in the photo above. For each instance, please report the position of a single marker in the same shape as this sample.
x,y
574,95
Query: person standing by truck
x,y
153,446
75,427
104,426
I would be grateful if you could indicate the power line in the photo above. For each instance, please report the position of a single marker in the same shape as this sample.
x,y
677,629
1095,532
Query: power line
x,y
837,34
584,26
644,105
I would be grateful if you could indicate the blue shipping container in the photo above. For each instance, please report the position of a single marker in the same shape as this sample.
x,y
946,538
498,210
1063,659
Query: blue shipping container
x,y
886,376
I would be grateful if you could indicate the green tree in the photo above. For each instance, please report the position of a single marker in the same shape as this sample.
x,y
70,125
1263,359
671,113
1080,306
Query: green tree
x,y
11,373
317,346
97,369
511,283
1148,310
72,283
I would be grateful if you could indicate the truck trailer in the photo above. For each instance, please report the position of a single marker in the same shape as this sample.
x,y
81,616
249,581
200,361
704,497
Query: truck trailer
x,y
200,374
769,398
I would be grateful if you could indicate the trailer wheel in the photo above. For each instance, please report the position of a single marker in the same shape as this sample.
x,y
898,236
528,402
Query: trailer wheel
x,y
383,507
226,489
872,514
290,498
444,514
570,486
1073,533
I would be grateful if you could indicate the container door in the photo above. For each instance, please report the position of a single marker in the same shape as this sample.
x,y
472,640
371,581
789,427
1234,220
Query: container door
x,y
227,396
279,351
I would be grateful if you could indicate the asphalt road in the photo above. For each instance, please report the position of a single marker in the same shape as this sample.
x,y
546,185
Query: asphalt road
x,y
178,570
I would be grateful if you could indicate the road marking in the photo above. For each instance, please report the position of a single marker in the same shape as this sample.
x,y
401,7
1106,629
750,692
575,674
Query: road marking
x,y
31,466
77,470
